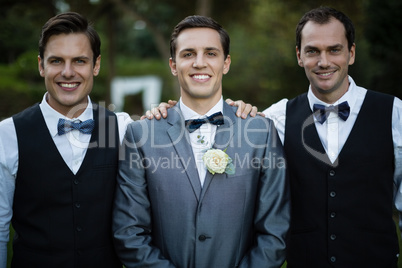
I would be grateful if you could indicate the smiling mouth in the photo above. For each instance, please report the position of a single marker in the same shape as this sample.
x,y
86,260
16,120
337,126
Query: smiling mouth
x,y
326,74
69,85
201,76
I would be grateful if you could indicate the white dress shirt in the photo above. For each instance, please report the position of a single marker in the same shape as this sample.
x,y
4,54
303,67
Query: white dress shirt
x,y
334,131
72,147
203,138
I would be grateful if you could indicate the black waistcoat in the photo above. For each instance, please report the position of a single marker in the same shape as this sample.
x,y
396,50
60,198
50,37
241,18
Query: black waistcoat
x,y
342,212
62,219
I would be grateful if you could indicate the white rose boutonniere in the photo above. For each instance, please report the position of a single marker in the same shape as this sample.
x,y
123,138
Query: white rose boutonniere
x,y
217,161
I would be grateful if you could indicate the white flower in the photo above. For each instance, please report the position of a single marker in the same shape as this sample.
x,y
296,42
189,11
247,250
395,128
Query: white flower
x,y
217,161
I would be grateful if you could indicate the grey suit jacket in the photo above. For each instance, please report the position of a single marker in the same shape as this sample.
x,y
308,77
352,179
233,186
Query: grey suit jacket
x,y
163,217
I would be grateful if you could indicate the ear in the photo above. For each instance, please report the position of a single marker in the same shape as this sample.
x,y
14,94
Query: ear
x,y
41,70
97,65
299,60
172,65
352,54
226,65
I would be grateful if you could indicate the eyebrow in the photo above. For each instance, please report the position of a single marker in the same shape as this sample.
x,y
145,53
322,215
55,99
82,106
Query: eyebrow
x,y
206,49
330,47
60,58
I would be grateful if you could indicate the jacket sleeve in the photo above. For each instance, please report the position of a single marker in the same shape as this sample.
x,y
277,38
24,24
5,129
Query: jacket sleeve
x,y
132,210
272,212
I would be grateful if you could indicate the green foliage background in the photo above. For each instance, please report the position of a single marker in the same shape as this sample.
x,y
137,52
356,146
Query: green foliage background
x,y
264,67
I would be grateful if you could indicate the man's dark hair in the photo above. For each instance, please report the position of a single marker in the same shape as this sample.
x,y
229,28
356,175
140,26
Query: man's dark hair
x,y
66,23
197,21
323,15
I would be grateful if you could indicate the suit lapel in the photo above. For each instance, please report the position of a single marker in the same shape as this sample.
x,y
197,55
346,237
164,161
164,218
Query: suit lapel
x,y
181,143
223,137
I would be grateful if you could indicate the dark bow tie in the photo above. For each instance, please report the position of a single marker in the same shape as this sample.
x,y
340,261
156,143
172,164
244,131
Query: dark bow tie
x,y
215,119
64,126
343,111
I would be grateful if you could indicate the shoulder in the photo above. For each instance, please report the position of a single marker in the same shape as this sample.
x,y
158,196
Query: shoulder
x,y
7,128
398,104
276,110
379,94
257,122
27,113
144,127
375,98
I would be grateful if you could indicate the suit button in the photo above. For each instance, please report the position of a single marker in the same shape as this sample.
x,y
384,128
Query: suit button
x,y
76,182
202,238
333,259
79,229
332,173
332,215
333,237
77,205
332,194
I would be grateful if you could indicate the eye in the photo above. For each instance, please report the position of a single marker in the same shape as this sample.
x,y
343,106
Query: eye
x,y
81,61
188,54
335,50
311,52
211,54
54,61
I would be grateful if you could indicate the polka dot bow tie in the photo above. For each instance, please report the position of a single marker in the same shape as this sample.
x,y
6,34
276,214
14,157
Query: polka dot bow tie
x,y
64,126
215,119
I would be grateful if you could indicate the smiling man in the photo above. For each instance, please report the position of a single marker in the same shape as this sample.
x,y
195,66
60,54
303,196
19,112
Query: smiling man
x,y
226,202
58,159
68,66
343,147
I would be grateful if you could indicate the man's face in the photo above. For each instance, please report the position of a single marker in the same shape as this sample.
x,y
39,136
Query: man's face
x,y
325,57
199,65
68,70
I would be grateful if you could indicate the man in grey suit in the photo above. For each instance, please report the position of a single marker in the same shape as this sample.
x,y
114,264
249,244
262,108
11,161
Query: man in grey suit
x,y
204,193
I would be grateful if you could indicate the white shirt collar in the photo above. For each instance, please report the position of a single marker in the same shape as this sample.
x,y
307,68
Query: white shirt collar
x,y
350,96
52,116
190,114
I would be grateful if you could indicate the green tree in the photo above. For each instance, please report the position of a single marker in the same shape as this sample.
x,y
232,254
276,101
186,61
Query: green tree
x,y
20,25
383,31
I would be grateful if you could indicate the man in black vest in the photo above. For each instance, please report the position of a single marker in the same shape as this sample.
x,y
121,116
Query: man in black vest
x,y
344,151
58,159
343,145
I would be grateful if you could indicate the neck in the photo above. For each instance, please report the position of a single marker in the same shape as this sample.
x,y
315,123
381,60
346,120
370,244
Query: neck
x,y
200,106
74,111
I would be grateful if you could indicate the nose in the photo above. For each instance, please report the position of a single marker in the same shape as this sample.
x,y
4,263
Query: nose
x,y
323,61
199,61
68,70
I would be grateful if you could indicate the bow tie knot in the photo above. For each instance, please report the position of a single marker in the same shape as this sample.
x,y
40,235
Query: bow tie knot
x,y
194,124
64,126
321,112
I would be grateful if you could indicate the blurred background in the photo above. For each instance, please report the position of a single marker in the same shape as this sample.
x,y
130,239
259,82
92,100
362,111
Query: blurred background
x,y
135,43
